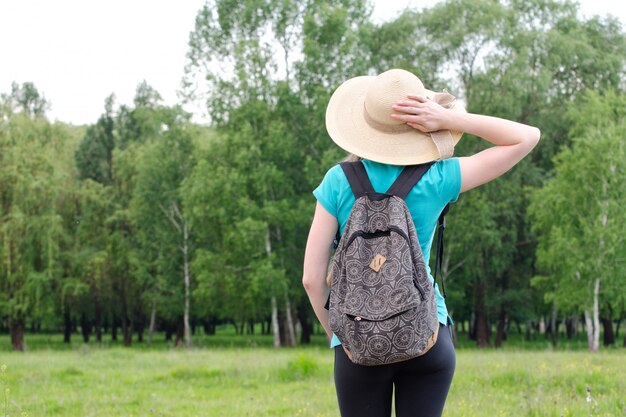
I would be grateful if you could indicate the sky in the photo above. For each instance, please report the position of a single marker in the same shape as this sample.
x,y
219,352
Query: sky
x,y
78,52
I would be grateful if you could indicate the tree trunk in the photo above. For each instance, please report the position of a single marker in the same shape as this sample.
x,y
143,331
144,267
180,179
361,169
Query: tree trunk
x,y
471,327
554,325
98,320
589,330
180,333
170,329
187,283
140,326
209,325
152,320
529,326
305,324
542,325
501,327
592,320
275,327
570,327
268,324
17,333
482,331
85,327
290,331
501,330
596,315
609,336
126,325
67,323
113,327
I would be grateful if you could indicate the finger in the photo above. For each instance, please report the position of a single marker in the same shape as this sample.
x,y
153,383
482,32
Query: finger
x,y
404,117
418,98
410,103
417,126
408,109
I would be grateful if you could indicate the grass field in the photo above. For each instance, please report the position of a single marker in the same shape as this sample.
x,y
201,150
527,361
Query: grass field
x,y
241,379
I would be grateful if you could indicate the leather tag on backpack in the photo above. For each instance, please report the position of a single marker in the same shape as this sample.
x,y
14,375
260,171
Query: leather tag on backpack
x,y
377,262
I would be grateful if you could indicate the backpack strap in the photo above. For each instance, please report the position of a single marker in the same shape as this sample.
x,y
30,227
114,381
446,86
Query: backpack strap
x,y
441,227
358,179
410,175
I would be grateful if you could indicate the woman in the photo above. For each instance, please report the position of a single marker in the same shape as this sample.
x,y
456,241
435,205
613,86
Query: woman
x,y
390,121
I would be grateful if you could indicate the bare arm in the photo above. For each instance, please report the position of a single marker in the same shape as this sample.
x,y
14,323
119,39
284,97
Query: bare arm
x,y
513,140
316,257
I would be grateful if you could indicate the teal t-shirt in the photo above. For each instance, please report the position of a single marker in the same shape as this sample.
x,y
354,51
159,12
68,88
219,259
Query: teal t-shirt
x,y
440,185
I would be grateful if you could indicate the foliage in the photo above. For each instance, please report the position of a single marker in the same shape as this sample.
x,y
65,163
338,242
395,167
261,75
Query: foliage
x,y
101,226
579,211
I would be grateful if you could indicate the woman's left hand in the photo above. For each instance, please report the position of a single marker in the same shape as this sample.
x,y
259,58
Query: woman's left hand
x,y
422,114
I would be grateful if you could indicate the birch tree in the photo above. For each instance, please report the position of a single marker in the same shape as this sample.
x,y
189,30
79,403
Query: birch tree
x,y
579,214
159,214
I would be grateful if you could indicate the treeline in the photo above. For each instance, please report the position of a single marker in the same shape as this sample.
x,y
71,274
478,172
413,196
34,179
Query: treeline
x,y
145,221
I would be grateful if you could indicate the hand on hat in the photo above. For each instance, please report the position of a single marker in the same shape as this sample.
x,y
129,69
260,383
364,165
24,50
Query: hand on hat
x,y
422,114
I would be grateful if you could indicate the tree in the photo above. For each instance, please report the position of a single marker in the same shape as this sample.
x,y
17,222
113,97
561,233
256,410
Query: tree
x,y
272,143
513,60
158,210
579,213
24,99
30,227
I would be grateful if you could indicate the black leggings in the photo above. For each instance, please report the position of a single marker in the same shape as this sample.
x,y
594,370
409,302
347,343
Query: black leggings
x,y
421,384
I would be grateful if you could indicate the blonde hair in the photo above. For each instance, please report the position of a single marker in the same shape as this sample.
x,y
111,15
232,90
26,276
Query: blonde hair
x,y
351,158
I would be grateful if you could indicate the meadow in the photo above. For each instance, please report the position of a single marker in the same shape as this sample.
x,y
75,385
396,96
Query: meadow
x,y
229,375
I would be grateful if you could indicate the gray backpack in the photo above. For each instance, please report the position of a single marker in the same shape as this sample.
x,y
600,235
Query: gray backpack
x,y
382,304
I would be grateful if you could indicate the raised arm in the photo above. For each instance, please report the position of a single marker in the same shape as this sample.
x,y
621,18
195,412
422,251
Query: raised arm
x,y
513,140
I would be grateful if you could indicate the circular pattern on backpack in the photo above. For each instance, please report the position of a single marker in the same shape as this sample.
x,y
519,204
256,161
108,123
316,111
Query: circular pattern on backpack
x,y
365,326
332,322
375,304
379,205
404,338
397,297
354,300
407,260
364,252
358,214
353,271
378,345
356,344
371,277
378,221
396,241
409,315
389,324
395,210
351,250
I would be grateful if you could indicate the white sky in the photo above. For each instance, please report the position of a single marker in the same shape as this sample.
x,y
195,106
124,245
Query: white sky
x,y
77,52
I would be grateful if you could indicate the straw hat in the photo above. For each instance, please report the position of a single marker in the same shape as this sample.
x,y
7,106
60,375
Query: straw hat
x,y
358,119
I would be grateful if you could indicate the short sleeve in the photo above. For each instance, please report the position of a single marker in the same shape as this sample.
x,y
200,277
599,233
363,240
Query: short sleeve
x,y
450,174
327,192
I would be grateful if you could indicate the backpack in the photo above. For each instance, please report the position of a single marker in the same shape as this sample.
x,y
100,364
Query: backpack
x,y
382,305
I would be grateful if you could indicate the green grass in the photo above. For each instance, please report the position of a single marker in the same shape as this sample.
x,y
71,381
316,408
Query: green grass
x,y
234,379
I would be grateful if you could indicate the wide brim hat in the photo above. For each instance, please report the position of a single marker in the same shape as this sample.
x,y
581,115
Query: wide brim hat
x,y
358,119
